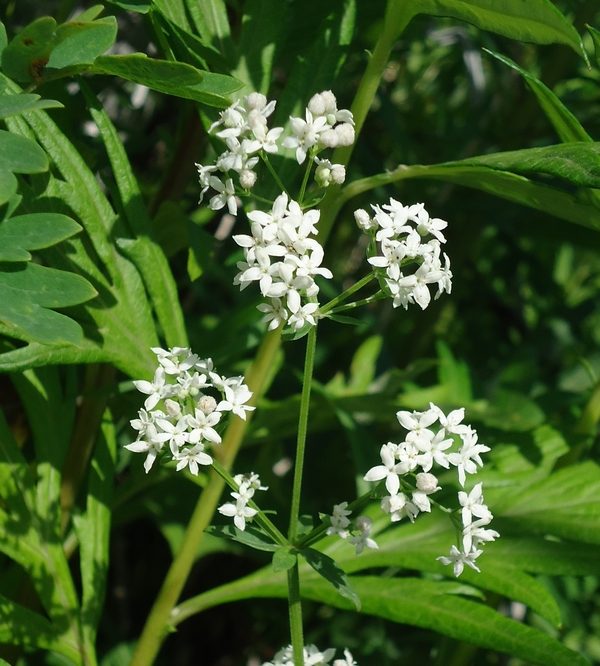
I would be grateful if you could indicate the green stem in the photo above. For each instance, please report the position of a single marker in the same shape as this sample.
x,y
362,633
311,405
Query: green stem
x,y
357,304
274,173
305,181
295,610
294,600
260,517
309,363
157,624
334,302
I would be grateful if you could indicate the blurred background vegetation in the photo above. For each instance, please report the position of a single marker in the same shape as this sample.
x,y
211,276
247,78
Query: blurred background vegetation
x,y
521,329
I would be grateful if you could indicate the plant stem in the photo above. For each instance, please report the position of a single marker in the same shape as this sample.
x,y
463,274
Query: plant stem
x,y
273,172
157,624
309,363
357,304
334,302
294,600
305,181
295,610
397,16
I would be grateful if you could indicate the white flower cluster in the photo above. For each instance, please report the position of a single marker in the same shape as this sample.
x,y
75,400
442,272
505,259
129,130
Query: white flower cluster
x,y
284,260
248,484
416,455
178,409
312,657
323,126
400,232
339,524
247,136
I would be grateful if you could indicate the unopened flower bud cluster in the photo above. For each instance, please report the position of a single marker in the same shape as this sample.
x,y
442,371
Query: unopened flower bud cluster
x,y
405,251
283,258
339,524
244,128
312,657
414,457
181,408
239,510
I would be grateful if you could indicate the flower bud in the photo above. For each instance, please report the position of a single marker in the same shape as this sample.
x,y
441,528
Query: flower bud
x,y
207,404
247,179
345,133
338,174
316,105
363,220
427,483
323,174
329,139
255,101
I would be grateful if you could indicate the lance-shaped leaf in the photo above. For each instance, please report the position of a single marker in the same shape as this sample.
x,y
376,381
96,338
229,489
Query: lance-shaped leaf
x,y
29,291
172,78
18,154
249,537
20,234
327,567
537,21
564,122
596,39
11,105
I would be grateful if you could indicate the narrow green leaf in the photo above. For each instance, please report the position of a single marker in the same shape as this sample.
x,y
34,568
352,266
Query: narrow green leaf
x,y
165,76
8,186
212,23
33,232
566,504
436,606
215,90
20,154
564,122
143,251
515,188
249,537
284,558
174,10
190,48
93,528
21,626
326,567
537,21
343,319
263,24
577,163
11,105
596,39
140,6
3,37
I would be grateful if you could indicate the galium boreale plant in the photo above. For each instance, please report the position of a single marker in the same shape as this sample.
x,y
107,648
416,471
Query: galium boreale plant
x,y
94,250
187,398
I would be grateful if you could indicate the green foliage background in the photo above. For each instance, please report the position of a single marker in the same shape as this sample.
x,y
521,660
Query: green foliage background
x,y
517,343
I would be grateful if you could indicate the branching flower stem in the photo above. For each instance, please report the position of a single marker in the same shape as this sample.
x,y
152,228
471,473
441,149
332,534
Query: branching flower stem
x,y
157,624
272,171
335,302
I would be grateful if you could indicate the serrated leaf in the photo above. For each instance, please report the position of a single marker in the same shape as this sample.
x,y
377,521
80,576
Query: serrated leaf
x,y
537,21
20,154
33,232
249,537
326,567
564,122
284,558
566,504
29,289
11,105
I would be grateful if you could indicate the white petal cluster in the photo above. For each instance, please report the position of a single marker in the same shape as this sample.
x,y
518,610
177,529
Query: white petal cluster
x,y
246,134
406,252
323,126
185,402
239,510
435,438
312,657
283,259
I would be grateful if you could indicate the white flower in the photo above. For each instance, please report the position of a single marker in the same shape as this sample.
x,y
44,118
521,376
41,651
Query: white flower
x,y
339,521
305,134
192,457
472,505
156,390
178,434
304,315
347,661
235,401
468,455
364,524
226,195
398,506
387,471
152,445
274,312
239,511
459,559
202,425
475,533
